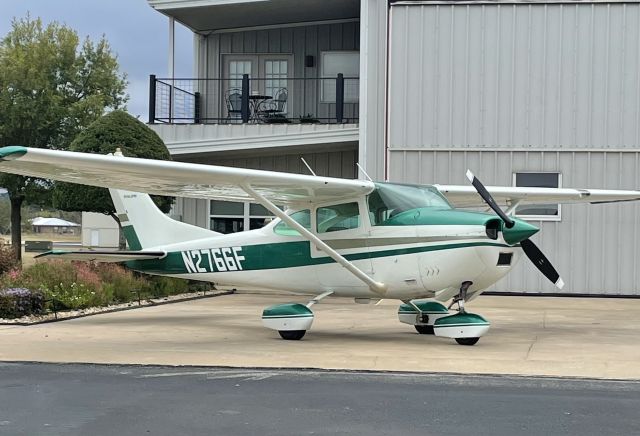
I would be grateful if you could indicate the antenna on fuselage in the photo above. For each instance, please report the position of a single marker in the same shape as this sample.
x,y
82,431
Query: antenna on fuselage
x,y
307,165
363,172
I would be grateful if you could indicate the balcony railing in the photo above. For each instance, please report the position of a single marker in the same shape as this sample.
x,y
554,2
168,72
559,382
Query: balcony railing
x,y
274,100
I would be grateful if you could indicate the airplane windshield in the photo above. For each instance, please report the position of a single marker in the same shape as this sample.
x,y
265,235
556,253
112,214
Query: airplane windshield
x,y
390,199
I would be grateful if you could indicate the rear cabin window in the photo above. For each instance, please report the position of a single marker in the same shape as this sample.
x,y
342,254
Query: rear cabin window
x,y
302,217
339,217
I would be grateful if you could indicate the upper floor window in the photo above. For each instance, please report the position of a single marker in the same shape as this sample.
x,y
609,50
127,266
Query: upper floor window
x,y
302,217
546,212
339,217
345,62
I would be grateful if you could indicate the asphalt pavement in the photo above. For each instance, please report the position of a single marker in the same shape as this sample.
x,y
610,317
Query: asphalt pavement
x,y
74,399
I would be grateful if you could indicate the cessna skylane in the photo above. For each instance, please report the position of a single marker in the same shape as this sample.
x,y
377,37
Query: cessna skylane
x,y
331,237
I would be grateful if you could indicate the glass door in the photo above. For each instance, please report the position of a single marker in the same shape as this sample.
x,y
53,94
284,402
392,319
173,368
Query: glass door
x,y
270,87
235,66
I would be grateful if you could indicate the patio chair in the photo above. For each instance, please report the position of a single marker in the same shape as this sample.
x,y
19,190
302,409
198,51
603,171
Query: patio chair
x,y
233,101
277,106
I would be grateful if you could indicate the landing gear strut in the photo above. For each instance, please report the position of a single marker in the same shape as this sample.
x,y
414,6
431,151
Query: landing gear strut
x,y
462,295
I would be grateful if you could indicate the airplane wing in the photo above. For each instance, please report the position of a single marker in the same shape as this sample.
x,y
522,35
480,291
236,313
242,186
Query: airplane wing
x,y
102,256
176,178
466,196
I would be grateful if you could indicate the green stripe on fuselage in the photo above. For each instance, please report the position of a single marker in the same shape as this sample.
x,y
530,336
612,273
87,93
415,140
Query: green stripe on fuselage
x,y
280,255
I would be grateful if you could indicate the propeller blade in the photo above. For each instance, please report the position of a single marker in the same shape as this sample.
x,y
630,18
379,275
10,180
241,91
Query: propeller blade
x,y
541,262
489,199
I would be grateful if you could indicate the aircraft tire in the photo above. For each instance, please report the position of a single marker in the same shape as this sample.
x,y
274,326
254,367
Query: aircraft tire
x,y
467,341
424,329
292,335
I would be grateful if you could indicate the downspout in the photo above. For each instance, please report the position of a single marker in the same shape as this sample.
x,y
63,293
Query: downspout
x,y
386,99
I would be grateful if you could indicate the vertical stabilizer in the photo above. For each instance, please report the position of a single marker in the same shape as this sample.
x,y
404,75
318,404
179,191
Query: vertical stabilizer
x,y
145,226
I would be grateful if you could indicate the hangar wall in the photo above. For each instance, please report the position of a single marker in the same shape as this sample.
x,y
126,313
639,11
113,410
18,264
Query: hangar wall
x,y
594,247
526,74
501,88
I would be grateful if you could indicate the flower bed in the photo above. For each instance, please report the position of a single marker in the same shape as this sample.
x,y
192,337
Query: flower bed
x,y
58,285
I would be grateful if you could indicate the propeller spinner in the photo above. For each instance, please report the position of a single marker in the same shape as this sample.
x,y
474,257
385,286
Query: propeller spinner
x,y
515,231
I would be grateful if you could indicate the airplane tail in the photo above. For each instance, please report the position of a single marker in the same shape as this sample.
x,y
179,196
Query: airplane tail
x,y
145,226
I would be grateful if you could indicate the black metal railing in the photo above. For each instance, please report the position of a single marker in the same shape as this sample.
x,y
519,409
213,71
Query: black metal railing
x,y
274,100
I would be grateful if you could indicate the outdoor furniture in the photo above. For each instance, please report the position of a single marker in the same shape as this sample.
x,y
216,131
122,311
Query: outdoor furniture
x,y
255,102
275,106
233,101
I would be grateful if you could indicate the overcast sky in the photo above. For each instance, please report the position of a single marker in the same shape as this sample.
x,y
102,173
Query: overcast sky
x,y
138,35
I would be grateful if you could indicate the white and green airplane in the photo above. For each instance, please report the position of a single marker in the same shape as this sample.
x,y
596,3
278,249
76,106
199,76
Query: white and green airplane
x,y
331,237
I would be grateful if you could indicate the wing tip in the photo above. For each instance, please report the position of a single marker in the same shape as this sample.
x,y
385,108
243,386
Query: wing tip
x,y
12,152
559,283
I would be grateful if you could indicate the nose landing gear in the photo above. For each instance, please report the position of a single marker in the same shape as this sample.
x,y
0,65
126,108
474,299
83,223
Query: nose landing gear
x,y
432,317
466,328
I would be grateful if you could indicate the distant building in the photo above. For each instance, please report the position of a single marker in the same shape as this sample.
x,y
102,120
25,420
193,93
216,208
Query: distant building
x,y
54,225
99,231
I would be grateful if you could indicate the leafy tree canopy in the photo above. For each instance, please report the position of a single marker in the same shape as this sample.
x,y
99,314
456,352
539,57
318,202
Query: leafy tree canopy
x,y
52,86
115,130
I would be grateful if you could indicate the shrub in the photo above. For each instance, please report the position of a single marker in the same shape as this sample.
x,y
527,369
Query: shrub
x,y
162,286
120,282
78,285
18,302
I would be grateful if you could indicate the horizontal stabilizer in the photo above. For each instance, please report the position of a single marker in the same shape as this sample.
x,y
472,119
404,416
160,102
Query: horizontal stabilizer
x,y
102,255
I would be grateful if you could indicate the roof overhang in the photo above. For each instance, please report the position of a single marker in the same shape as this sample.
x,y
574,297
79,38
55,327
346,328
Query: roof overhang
x,y
205,16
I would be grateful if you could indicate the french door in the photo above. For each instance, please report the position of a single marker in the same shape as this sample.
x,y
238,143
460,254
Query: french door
x,y
271,73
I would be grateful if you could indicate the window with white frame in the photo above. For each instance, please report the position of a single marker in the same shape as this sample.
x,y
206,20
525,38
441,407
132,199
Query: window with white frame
x,y
543,212
231,217
331,64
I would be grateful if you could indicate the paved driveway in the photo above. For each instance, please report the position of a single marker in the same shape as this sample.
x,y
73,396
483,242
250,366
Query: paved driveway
x,y
529,336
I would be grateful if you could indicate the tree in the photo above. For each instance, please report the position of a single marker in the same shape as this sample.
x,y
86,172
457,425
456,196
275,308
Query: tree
x,y
51,88
115,130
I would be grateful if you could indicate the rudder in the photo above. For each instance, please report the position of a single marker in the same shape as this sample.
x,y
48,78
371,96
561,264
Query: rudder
x,y
145,226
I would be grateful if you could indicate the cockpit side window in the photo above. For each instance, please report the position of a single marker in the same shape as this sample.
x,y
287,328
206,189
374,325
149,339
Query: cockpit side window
x,y
338,217
302,217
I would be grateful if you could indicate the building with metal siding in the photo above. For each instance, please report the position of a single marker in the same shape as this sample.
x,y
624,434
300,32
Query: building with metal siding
x,y
497,87
503,88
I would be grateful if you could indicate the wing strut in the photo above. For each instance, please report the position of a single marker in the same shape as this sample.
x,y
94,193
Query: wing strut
x,y
377,287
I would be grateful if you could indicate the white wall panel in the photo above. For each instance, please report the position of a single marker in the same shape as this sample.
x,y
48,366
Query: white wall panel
x,y
544,75
594,247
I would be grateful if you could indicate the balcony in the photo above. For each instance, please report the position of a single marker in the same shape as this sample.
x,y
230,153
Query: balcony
x,y
246,100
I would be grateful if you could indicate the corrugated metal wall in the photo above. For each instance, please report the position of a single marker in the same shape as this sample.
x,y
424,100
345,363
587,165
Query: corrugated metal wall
x,y
594,247
515,75
298,41
502,88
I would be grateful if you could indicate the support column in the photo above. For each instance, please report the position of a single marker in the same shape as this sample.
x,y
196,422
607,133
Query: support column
x,y
172,64
373,87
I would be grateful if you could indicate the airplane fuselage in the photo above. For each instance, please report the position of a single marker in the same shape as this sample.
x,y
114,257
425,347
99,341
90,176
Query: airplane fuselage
x,y
412,261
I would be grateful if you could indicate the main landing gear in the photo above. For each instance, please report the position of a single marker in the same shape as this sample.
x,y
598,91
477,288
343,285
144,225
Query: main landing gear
x,y
291,320
432,317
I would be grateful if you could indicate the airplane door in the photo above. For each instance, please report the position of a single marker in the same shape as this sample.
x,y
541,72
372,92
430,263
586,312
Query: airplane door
x,y
342,227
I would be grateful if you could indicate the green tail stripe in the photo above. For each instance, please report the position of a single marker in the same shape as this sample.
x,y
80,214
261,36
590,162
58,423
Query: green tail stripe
x,y
132,238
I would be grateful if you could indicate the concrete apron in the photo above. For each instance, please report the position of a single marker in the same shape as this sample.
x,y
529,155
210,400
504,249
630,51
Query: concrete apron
x,y
576,337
